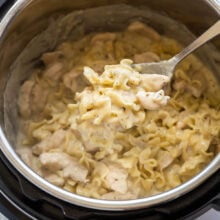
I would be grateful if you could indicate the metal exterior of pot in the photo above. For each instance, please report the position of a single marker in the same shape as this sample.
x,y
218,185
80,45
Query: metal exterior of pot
x,y
17,26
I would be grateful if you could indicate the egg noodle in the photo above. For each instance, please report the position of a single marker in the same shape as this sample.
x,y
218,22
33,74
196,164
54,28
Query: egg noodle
x,y
111,132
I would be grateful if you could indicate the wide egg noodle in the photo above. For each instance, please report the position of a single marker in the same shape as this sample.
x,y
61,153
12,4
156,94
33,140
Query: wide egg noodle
x,y
121,140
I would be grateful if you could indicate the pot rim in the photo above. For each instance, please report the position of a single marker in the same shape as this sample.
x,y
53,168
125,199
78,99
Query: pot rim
x,y
98,204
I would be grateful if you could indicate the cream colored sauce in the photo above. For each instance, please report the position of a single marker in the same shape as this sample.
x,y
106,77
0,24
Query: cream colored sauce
x,y
100,129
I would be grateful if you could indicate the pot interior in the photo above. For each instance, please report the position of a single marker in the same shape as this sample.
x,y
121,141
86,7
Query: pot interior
x,y
40,26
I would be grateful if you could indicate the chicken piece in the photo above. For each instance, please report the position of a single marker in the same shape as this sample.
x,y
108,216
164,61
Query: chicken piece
x,y
25,98
53,73
117,178
51,142
103,37
74,81
183,86
196,86
32,99
54,179
51,57
26,155
32,161
38,99
152,100
101,51
71,168
94,137
146,57
130,43
54,161
144,29
76,171
69,80
164,159
153,82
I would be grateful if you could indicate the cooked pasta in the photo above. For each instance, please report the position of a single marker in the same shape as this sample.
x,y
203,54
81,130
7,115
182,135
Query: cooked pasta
x,y
94,126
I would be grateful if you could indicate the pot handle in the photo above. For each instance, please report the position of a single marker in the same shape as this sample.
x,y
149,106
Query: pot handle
x,y
216,203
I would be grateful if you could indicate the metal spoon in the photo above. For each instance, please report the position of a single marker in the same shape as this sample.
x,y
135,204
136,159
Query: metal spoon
x,y
166,67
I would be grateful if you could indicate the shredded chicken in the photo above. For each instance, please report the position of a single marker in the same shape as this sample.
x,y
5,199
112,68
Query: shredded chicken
x,y
39,98
32,99
51,57
70,166
95,126
152,100
54,73
196,86
26,155
74,80
25,97
154,82
53,178
164,159
145,30
117,178
51,142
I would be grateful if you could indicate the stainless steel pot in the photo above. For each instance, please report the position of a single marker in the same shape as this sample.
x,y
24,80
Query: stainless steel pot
x,y
26,18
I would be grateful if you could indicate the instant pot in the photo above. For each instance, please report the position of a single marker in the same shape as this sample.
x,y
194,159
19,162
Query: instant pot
x,y
24,195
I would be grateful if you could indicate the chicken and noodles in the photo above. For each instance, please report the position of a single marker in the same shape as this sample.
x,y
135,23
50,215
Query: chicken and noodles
x,y
93,125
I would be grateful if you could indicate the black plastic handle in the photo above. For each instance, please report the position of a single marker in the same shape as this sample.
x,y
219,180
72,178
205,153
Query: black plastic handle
x,y
216,203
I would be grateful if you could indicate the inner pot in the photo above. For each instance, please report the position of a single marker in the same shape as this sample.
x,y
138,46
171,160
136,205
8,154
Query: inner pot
x,y
31,28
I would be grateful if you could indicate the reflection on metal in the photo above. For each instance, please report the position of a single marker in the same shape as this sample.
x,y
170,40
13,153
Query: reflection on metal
x,y
215,4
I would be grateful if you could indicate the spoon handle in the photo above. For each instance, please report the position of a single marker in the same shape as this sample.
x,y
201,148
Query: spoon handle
x,y
213,31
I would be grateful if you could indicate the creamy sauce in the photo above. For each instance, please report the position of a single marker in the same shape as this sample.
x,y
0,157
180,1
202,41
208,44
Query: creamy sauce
x,y
100,129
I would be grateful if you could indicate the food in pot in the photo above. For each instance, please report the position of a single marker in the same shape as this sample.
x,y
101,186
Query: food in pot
x,y
100,129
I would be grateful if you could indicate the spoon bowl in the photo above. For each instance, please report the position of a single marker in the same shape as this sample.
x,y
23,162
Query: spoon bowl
x,y
167,67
